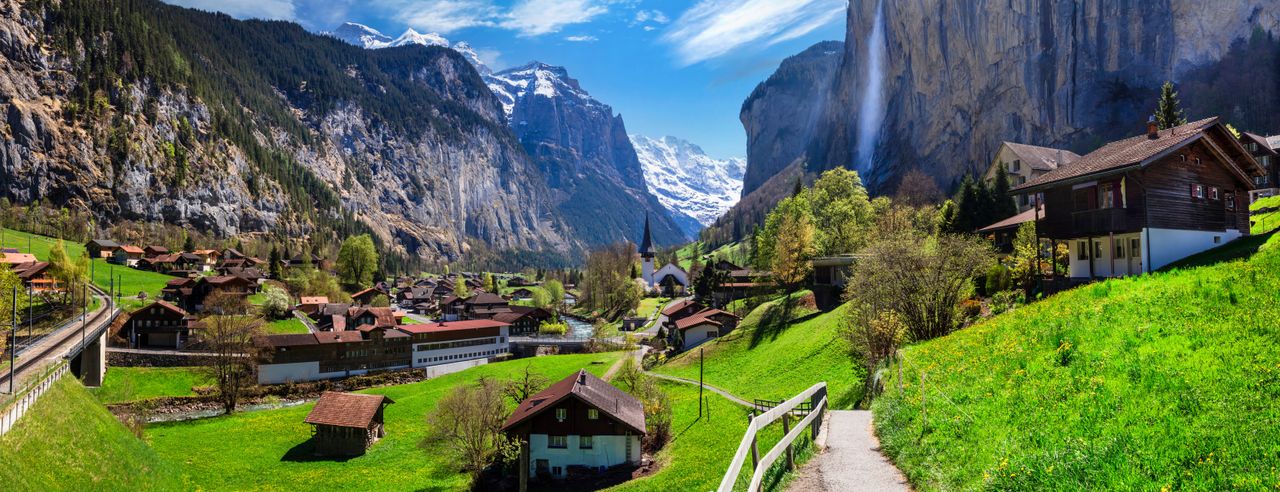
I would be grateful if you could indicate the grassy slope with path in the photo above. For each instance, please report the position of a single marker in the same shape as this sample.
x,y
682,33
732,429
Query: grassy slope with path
x,y
70,442
1165,380
770,358
267,450
126,384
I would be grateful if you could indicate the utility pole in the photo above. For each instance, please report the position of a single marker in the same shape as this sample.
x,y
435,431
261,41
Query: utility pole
x,y
700,381
84,316
13,346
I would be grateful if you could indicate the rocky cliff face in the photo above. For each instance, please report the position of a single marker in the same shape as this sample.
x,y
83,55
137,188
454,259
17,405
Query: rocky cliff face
x,y
781,112
583,151
960,77
963,76
157,152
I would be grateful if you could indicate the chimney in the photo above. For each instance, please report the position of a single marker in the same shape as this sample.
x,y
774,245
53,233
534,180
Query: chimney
x,y
1153,131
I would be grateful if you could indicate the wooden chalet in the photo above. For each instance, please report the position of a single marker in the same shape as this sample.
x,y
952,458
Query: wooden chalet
x,y
1265,150
693,330
346,424
127,255
484,305
101,248
159,325
153,251
366,296
580,424
521,294
1138,204
309,304
190,293
524,319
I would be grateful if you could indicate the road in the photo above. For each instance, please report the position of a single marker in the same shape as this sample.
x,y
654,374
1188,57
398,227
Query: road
x,y
850,460
662,318
55,346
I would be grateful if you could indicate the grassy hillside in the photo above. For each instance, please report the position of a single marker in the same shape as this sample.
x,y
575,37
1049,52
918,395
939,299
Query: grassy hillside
x,y
772,358
1166,381
126,384
269,450
129,281
1265,214
70,442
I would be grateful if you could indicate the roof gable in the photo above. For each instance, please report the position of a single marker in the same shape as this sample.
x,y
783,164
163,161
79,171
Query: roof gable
x,y
589,389
346,409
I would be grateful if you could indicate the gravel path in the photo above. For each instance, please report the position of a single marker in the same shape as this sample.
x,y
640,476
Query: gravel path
x,y
851,459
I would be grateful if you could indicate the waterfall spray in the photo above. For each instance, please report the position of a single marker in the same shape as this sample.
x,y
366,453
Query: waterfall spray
x,y
871,110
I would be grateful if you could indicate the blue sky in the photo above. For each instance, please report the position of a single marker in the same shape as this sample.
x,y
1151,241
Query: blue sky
x,y
669,67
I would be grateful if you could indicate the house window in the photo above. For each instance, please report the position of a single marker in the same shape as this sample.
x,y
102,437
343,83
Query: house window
x,y
1017,165
1134,249
1082,249
1197,191
1107,195
1120,249
1213,193
557,471
593,414
585,442
1097,249
561,414
557,441
1231,200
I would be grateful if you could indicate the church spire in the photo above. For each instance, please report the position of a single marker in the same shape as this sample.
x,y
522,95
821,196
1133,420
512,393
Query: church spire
x,y
646,243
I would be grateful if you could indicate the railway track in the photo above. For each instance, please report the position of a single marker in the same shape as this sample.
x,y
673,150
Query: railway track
x,y
62,339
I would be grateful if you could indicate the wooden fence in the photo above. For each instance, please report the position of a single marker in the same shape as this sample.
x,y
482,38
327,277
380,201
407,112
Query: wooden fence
x,y
814,398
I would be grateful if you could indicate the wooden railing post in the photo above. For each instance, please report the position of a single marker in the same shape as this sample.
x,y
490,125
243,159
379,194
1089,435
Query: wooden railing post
x,y
755,446
786,428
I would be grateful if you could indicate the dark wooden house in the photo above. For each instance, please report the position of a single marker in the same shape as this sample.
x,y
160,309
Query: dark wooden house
x,y
159,325
524,319
1138,204
346,424
101,248
579,424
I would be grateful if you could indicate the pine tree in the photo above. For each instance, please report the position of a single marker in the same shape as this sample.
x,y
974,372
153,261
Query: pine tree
x,y
274,263
968,205
1003,206
799,187
189,244
1168,109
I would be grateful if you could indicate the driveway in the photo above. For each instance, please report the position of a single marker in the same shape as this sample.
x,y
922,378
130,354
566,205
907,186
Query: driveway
x,y
850,458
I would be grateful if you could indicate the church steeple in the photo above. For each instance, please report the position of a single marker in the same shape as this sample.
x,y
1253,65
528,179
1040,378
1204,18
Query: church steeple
x,y
646,243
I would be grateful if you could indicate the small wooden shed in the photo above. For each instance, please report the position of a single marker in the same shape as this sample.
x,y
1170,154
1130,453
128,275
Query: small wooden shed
x,y
346,424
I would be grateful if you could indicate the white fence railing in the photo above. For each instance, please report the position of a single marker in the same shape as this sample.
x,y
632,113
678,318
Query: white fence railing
x,y
19,407
816,395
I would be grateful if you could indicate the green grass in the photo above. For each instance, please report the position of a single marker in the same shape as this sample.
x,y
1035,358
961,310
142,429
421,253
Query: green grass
x,y
266,450
1265,203
68,441
649,305
127,384
1265,221
734,252
290,325
1164,380
769,357
130,281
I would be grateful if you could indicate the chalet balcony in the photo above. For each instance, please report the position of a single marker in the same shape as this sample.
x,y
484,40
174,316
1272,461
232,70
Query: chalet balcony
x,y
1100,221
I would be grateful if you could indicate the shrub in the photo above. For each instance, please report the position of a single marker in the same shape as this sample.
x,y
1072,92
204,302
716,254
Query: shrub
x,y
1005,300
970,309
553,328
998,279
275,304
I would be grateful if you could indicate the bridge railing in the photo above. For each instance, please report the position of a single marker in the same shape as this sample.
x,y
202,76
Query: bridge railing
x,y
814,398
13,409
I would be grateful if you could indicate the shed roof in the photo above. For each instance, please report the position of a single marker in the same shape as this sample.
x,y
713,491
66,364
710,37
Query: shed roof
x,y
346,409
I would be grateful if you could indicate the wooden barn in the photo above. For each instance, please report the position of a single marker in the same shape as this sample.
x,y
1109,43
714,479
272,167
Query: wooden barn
x,y
346,424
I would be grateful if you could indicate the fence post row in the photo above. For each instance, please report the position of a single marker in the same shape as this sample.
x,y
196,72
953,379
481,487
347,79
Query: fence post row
x,y
814,398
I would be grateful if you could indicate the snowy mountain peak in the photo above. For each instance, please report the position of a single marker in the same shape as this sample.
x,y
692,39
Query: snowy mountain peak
x,y
470,54
537,79
411,36
688,181
360,35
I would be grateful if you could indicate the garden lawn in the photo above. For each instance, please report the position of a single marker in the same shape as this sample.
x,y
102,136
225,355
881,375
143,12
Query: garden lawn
x,y
650,305
68,441
127,384
769,358
130,281
1164,381
269,450
290,325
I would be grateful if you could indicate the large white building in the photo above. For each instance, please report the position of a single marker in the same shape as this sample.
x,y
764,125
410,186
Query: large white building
x,y
453,341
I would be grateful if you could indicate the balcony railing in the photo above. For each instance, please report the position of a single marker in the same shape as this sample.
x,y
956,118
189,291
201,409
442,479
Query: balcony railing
x,y
1100,221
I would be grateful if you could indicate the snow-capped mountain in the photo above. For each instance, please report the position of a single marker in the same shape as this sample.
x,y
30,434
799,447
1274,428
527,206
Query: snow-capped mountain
x,y
687,180
370,38
513,84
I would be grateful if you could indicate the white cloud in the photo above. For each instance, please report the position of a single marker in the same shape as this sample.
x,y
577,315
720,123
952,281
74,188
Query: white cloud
x,y
649,28
538,17
442,16
245,9
643,16
714,28
580,39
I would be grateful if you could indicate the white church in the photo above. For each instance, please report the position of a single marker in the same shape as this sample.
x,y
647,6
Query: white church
x,y
668,281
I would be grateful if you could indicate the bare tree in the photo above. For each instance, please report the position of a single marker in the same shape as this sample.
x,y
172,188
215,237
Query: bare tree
x,y
228,335
468,422
917,189
607,284
525,385
873,337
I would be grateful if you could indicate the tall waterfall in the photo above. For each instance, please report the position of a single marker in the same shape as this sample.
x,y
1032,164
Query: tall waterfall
x,y
871,110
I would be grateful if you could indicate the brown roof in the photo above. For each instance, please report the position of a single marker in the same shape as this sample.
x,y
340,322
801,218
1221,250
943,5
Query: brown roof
x,y
1129,153
675,308
367,291
382,316
1042,158
291,340
339,337
703,316
470,324
346,409
588,388
1262,142
518,312
27,271
1016,220
163,304
486,298
132,249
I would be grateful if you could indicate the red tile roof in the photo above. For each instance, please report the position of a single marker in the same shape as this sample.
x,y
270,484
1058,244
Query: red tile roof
x,y
675,308
314,300
339,337
17,258
471,324
700,317
132,249
346,409
609,400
